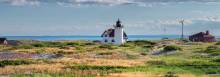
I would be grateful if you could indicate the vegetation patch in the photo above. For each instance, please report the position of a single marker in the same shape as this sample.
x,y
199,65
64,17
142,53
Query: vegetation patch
x,y
25,46
105,53
108,46
170,74
14,62
214,50
218,43
156,62
172,48
142,42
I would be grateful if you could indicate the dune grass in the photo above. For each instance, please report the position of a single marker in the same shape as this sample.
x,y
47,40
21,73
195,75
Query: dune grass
x,y
130,57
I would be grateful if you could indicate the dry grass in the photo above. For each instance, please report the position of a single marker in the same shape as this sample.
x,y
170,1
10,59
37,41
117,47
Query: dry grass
x,y
142,74
101,62
31,68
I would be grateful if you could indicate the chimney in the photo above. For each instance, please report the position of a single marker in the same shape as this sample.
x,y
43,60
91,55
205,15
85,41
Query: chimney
x,y
207,32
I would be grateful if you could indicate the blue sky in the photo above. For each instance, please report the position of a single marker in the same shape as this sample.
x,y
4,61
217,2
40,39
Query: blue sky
x,y
92,17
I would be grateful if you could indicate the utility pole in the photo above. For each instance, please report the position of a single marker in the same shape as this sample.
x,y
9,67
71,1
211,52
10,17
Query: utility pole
x,y
165,32
182,22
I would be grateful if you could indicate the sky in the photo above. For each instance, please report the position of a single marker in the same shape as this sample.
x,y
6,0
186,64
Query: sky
x,y
92,17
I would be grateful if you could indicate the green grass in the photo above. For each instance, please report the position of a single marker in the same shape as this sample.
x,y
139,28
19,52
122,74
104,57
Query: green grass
x,y
214,50
142,42
14,62
188,60
172,48
25,46
108,46
195,69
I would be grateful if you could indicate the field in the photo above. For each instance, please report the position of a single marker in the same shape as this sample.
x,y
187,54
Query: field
x,y
141,58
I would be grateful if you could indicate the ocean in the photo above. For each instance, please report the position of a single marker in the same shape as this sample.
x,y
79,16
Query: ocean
x,y
54,38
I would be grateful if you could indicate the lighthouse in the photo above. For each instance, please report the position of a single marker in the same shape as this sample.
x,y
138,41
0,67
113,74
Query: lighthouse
x,y
115,35
119,33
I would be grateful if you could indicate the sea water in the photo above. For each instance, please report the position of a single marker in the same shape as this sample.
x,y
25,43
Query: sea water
x,y
54,38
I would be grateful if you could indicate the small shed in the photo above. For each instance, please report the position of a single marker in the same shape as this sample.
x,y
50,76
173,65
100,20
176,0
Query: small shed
x,y
202,37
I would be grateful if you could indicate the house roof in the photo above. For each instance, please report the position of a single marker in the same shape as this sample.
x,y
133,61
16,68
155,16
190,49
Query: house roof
x,y
203,34
111,33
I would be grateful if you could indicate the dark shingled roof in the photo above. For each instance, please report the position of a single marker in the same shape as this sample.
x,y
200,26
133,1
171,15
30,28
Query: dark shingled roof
x,y
111,33
202,37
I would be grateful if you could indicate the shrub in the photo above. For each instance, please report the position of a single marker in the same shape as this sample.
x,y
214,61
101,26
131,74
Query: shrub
x,y
86,67
143,42
90,43
217,60
131,56
64,47
73,44
38,45
105,53
156,62
13,62
215,50
125,45
148,46
23,47
144,53
218,43
171,74
172,48
107,46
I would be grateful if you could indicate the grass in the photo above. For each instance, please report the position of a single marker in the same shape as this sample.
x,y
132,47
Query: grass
x,y
108,46
66,74
214,50
131,57
172,48
14,62
199,70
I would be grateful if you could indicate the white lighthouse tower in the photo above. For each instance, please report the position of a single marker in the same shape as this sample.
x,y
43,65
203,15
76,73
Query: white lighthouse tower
x,y
119,33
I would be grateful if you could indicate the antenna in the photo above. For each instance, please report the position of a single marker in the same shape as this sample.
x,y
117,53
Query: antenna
x,y
182,22
165,30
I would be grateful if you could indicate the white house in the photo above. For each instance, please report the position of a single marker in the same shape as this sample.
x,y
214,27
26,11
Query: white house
x,y
115,35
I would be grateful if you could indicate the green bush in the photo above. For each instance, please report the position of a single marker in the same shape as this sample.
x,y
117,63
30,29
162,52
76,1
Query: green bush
x,y
171,74
148,46
125,45
107,46
25,46
215,50
90,43
39,45
217,60
105,53
218,43
172,48
13,62
87,67
73,44
143,42
156,62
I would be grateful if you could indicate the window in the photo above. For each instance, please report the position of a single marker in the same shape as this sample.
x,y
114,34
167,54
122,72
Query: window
x,y
106,40
113,40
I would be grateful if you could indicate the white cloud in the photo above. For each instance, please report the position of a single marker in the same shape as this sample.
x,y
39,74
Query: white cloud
x,y
22,2
145,3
